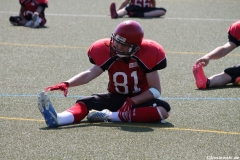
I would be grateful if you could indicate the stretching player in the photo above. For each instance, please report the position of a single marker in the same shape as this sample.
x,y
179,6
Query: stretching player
x,y
134,86
31,14
137,8
229,75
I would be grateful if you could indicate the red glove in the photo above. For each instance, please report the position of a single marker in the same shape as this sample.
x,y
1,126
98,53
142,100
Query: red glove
x,y
124,112
127,105
63,86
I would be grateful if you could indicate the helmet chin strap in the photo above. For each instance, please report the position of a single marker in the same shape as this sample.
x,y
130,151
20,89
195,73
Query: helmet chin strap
x,y
122,55
125,58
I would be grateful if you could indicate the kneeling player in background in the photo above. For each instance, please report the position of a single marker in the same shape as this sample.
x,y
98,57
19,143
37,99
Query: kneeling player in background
x,y
31,14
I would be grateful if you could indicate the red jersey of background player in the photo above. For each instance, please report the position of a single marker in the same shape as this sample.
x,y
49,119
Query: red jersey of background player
x,y
141,3
234,33
128,78
31,6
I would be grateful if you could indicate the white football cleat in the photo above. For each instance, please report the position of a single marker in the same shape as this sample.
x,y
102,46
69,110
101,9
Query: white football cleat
x,y
99,116
47,110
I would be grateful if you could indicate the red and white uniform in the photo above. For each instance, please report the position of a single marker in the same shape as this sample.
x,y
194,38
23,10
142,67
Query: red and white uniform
x,y
128,78
31,6
141,3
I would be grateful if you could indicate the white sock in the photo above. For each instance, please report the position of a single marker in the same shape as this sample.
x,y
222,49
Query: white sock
x,y
115,118
65,118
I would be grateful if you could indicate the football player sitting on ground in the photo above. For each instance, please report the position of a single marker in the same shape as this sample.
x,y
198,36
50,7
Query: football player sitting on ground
x,y
31,14
137,8
134,86
229,75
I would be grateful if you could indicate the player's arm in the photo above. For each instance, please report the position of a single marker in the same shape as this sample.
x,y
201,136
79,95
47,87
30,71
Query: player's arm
x,y
21,12
42,4
124,4
21,15
79,79
153,2
154,90
85,77
39,10
217,53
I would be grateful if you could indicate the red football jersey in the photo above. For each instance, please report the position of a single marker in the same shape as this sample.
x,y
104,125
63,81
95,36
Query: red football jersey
x,y
234,30
37,2
128,78
141,3
31,7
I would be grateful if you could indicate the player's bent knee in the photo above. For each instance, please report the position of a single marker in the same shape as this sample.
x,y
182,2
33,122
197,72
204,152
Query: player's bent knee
x,y
233,72
154,115
162,11
163,112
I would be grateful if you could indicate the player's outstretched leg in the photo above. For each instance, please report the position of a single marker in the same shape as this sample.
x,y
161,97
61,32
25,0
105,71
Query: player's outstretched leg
x,y
47,110
98,116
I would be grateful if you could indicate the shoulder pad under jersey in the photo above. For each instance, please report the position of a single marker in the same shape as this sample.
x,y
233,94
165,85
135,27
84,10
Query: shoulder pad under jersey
x,y
234,30
99,52
151,53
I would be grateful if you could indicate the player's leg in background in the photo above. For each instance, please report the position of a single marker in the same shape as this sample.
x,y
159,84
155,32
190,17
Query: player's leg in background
x,y
154,12
14,20
219,80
